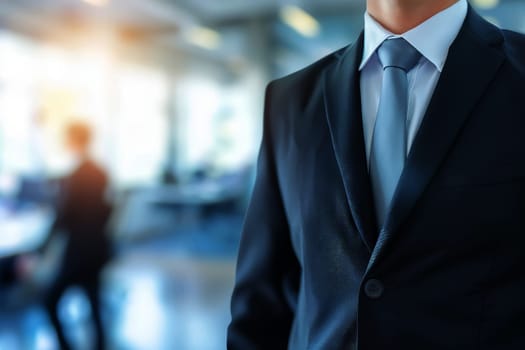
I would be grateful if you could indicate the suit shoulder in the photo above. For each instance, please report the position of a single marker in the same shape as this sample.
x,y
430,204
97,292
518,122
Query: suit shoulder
x,y
300,84
515,49
287,98
514,38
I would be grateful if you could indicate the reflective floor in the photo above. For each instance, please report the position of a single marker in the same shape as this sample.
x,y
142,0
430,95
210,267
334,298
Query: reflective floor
x,y
168,293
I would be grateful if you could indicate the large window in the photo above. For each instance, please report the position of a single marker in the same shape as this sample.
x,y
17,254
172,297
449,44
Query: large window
x,y
42,87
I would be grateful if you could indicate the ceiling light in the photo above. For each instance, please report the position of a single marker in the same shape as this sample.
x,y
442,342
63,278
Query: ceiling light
x,y
486,4
98,3
204,37
301,21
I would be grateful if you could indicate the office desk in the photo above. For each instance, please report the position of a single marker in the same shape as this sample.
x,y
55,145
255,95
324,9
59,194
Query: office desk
x,y
23,231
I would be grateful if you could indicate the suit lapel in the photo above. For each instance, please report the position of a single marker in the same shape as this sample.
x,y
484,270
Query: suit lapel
x,y
471,65
343,112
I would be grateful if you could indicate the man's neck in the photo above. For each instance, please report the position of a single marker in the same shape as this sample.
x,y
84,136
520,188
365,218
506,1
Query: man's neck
x,y
399,16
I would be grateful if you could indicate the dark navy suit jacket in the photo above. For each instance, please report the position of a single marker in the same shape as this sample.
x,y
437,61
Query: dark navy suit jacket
x,y
447,270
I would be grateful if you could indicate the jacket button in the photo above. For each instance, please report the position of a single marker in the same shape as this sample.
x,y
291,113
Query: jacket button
x,y
374,288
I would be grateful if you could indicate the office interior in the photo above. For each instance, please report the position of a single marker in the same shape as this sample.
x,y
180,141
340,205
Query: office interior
x,y
174,93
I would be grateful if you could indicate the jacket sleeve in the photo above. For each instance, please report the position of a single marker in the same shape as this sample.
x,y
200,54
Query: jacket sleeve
x,y
267,279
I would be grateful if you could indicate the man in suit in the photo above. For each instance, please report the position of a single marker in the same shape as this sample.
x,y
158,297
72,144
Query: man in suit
x,y
82,216
388,210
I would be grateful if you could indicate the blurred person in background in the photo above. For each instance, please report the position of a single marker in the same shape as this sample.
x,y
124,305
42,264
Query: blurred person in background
x,y
82,217
390,193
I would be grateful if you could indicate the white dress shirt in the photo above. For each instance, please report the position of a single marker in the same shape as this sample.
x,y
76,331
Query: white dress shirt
x,y
432,39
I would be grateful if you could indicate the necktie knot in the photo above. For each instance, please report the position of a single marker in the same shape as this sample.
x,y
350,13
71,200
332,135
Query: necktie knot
x,y
398,53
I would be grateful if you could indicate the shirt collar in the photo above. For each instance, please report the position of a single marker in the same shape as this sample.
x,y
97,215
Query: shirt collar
x,y
442,28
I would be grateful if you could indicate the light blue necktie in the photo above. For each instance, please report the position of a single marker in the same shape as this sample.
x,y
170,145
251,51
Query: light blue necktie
x,y
389,143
